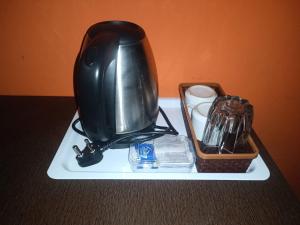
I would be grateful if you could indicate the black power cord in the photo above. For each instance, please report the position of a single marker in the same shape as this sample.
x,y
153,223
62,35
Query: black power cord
x,y
82,133
93,152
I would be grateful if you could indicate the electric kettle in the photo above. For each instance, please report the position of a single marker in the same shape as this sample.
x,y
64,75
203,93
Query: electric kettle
x,y
115,81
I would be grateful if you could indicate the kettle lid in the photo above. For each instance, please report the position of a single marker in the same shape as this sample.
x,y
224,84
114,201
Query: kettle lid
x,y
127,32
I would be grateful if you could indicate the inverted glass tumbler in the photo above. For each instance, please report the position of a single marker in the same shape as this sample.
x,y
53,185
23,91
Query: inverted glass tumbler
x,y
228,125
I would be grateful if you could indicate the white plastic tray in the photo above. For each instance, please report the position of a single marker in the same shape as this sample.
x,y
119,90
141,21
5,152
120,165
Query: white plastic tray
x,y
115,161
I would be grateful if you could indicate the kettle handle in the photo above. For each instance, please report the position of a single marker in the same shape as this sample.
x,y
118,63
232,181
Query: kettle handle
x,y
94,87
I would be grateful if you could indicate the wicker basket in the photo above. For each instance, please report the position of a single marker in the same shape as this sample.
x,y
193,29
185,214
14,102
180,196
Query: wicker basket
x,y
218,163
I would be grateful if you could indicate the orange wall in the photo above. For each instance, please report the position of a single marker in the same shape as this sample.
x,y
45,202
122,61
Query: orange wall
x,y
251,47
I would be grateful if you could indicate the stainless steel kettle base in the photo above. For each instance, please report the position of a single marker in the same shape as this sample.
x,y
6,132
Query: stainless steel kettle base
x,y
127,143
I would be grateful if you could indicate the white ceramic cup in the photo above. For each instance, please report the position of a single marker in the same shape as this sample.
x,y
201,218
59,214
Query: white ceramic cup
x,y
199,118
197,94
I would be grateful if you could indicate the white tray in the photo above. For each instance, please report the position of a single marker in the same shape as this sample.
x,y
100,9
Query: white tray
x,y
115,163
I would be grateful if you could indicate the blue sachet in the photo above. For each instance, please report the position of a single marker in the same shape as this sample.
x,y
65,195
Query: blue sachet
x,y
145,152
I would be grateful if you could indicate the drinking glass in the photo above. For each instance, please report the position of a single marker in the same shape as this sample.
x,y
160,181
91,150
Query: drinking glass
x,y
228,125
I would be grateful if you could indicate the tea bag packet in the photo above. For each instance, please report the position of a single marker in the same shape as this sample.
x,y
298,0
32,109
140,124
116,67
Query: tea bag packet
x,y
228,125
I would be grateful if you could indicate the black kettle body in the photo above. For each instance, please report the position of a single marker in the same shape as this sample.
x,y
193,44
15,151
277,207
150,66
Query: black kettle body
x,y
115,81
